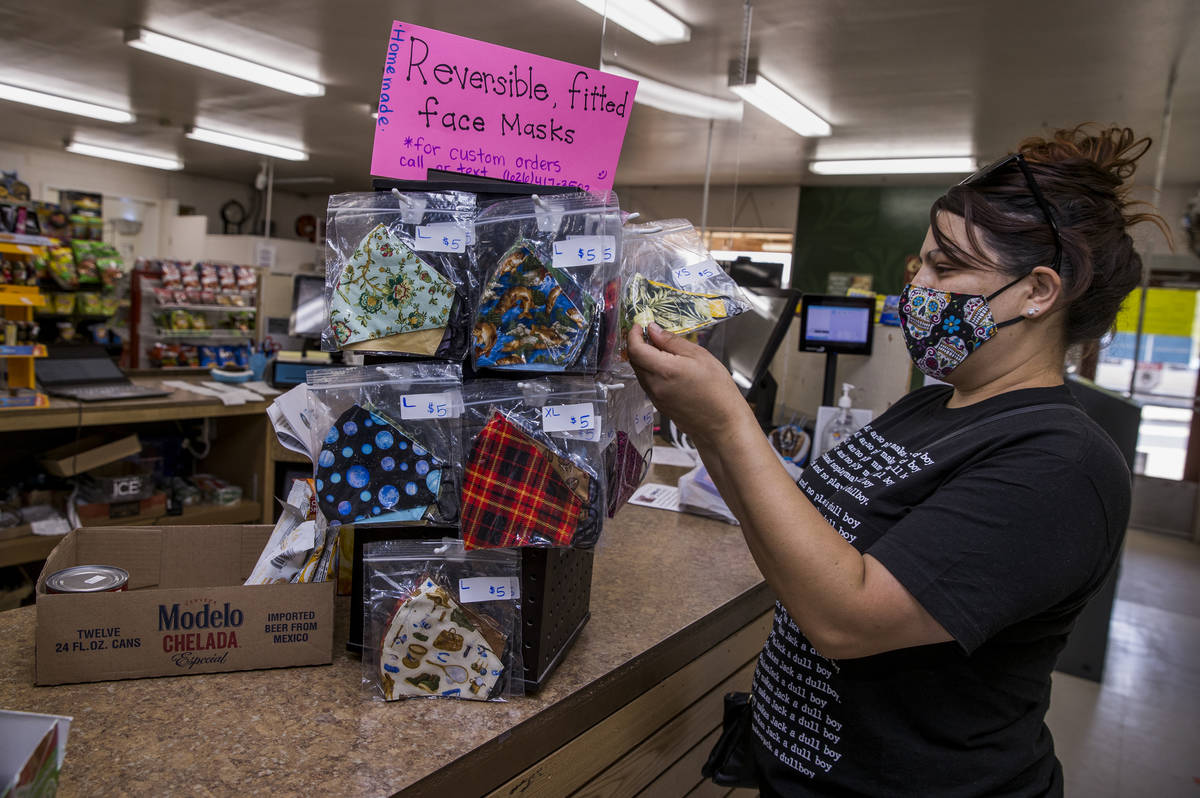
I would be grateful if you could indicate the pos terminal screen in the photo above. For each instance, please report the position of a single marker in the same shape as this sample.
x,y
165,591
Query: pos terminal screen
x,y
836,324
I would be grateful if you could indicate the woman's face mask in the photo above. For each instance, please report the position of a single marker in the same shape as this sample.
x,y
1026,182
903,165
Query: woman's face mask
x,y
942,327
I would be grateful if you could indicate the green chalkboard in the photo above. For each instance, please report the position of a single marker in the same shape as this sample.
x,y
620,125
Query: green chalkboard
x,y
864,230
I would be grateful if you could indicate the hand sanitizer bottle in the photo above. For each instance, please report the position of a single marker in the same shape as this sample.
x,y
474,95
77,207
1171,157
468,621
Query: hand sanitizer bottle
x,y
842,426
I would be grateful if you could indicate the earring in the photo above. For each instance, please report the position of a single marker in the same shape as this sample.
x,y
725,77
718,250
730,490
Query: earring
x,y
1032,311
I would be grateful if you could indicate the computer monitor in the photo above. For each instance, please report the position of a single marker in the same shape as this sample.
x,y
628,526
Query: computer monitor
x,y
837,324
747,272
747,344
308,319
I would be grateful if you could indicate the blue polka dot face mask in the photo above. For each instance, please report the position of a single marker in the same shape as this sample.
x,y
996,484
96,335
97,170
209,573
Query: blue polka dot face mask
x,y
942,327
368,471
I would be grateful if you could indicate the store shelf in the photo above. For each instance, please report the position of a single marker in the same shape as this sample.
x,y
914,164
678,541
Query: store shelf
x,y
244,512
27,548
22,350
228,308
209,335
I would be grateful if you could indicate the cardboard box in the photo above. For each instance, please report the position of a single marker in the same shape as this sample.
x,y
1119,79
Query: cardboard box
x,y
88,453
186,610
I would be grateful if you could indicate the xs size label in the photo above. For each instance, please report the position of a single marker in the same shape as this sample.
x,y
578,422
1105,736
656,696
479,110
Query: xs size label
x,y
488,588
585,251
692,278
442,237
416,406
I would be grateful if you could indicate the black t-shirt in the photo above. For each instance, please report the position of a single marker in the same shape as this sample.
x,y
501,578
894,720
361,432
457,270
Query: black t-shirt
x,y
1002,532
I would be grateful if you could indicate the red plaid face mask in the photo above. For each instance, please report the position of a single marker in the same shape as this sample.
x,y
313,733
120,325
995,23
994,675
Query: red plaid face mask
x,y
517,492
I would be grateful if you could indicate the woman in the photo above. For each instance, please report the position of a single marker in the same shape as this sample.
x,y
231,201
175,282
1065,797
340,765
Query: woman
x,y
929,568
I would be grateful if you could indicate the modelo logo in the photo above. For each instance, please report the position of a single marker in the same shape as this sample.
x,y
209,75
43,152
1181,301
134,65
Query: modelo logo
x,y
206,618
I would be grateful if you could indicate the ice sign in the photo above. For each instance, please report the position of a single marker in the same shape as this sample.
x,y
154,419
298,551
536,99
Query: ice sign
x,y
416,406
584,251
692,277
569,418
441,237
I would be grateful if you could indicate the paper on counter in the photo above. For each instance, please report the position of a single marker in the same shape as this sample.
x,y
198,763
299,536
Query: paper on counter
x,y
672,456
227,399
289,416
658,496
260,388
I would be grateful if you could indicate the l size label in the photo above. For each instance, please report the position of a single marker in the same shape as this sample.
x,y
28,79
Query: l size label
x,y
428,405
692,277
585,251
569,418
488,588
442,237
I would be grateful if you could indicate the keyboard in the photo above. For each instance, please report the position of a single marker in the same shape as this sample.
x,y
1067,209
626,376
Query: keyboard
x,y
100,393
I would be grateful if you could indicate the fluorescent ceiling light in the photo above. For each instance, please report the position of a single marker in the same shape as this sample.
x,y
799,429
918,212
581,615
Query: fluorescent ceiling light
x,y
775,102
249,145
675,100
643,18
895,166
138,158
224,63
67,106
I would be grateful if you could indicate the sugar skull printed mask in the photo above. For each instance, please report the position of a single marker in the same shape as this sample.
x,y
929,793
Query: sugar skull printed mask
x,y
369,471
388,296
531,316
436,647
942,327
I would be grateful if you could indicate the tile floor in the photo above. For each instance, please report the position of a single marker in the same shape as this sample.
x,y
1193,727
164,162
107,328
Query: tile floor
x,y
1137,735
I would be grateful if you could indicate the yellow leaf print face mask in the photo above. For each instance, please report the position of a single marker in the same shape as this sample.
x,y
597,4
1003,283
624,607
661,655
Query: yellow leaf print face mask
x,y
384,293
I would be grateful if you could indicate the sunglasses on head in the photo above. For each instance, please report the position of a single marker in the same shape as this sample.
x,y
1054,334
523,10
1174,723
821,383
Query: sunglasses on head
x,y
1019,160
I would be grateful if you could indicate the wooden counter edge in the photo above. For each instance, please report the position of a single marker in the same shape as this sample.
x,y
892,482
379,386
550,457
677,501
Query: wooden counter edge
x,y
499,760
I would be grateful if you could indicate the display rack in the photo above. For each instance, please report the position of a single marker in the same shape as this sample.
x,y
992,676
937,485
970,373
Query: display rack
x,y
19,302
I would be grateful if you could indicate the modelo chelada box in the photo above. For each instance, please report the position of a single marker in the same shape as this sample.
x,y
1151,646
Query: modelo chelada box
x,y
185,609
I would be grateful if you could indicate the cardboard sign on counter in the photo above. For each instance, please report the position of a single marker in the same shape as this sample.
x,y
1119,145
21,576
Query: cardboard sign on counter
x,y
186,610
455,104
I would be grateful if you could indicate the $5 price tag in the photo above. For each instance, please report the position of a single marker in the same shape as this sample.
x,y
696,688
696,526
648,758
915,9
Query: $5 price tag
x,y
488,588
693,277
441,237
428,405
569,418
585,251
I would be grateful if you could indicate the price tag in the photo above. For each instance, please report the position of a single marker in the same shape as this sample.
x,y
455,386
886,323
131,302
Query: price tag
x,y
488,588
645,418
692,278
428,405
592,433
585,251
441,237
569,418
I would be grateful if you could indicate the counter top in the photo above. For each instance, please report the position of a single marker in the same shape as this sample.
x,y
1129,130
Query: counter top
x,y
175,406
666,587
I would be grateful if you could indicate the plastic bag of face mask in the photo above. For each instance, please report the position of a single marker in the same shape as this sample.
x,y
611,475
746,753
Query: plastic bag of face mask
x,y
292,541
388,443
399,274
534,472
441,622
629,437
670,278
550,284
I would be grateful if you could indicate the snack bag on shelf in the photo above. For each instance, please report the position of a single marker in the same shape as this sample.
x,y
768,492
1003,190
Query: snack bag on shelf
x,y
534,474
548,264
61,265
399,277
441,622
389,443
226,278
85,262
172,277
189,276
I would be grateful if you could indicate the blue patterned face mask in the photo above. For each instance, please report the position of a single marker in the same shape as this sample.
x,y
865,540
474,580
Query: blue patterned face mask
x,y
942,327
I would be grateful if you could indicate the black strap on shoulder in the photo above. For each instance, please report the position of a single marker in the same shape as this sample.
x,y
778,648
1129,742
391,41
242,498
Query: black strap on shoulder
x,y
1019,411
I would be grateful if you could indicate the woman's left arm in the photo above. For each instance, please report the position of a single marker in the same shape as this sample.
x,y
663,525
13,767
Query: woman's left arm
x,y
847,604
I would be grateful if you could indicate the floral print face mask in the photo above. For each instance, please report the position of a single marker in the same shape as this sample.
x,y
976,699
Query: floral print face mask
x,y
942,327
674,309
531,316
387,295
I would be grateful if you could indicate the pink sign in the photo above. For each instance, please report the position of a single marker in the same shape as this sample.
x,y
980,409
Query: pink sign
x,y
461,105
